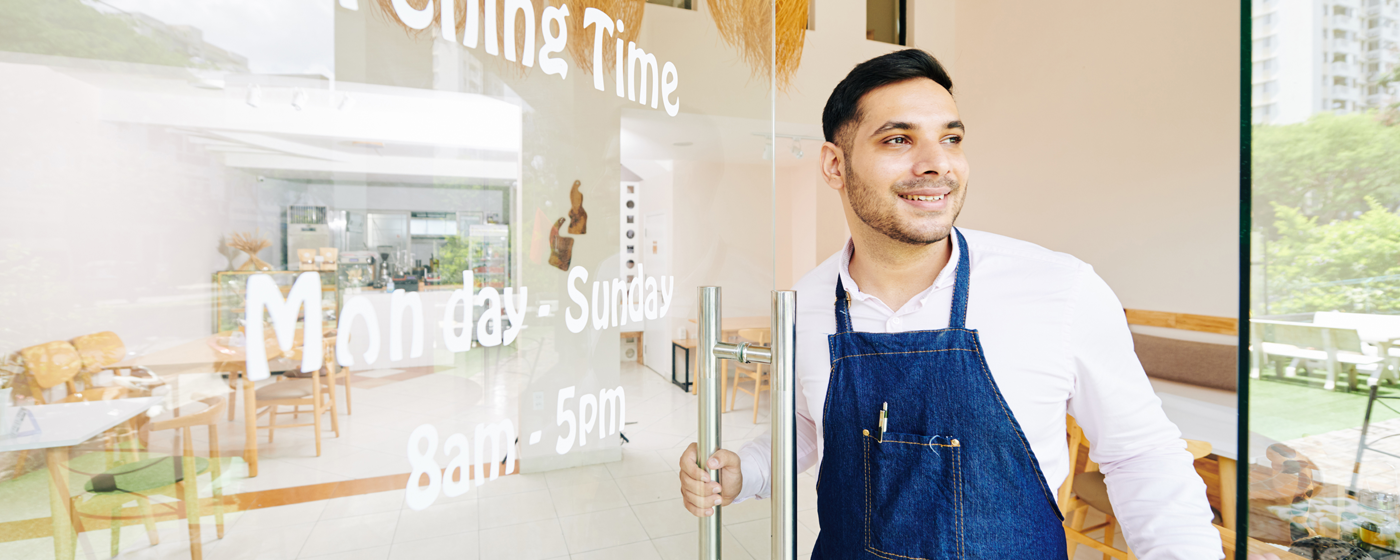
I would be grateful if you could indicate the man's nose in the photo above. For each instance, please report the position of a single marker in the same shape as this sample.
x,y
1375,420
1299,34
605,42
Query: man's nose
x,y
932,161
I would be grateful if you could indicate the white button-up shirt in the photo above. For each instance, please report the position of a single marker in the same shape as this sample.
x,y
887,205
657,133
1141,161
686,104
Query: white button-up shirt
x,y
1057,342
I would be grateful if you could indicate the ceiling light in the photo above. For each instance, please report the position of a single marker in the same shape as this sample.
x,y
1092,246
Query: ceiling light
x,y
299,99
254,98
208,83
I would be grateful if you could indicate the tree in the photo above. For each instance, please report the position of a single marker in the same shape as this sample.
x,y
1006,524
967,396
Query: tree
x,y
74,29
1344,265
1325,167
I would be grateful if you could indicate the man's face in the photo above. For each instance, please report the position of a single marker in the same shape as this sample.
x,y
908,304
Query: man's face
x,y
904,172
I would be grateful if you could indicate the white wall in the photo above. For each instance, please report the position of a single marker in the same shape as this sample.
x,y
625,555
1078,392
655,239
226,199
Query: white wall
x,y
1101,129
1108,130
105,226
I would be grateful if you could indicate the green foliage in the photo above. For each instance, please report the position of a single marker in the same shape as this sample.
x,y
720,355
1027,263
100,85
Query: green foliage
x,y
1325,167
1326,267
454,256
74,29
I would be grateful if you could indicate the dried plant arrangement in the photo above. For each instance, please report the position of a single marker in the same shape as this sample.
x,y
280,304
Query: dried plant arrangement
x,y
581,40
746,25
251,243
11,370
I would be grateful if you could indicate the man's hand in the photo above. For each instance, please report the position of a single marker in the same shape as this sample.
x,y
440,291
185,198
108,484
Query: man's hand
x,y
701,494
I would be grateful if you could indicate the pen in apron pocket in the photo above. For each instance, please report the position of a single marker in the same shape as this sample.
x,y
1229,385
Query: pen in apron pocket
x,y
884,422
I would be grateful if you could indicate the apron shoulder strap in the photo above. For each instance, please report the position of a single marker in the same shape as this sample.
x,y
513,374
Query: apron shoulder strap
x,y
843,308
958,318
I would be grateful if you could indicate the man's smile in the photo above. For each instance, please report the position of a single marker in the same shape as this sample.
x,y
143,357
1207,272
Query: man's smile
x,y
927,199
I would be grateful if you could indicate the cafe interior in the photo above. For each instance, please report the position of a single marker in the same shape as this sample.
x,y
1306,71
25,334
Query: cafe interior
x,y
309,291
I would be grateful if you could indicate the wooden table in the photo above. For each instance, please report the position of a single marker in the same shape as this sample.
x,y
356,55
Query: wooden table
x,y
687,345
213,354
61,426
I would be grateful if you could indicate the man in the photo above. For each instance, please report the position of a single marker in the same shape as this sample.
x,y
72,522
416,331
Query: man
x,y
936,365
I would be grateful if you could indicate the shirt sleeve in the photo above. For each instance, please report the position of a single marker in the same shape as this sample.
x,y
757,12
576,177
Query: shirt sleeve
x,y
756,459
1156,493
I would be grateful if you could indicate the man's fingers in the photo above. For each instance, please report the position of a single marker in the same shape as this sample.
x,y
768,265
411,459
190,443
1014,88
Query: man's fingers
x,y
690,466
697,486
700,500
688,456
724,458
699,494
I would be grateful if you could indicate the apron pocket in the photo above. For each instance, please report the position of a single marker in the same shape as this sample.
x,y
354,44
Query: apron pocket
x,y
913,496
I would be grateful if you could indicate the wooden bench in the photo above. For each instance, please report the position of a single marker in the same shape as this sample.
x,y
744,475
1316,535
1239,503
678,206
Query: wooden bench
x,y
1336,348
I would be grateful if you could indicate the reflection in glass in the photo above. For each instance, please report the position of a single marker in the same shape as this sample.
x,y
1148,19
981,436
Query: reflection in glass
x,y
1324,316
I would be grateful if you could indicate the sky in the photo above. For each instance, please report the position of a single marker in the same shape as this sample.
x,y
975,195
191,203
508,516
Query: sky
x,y
277,36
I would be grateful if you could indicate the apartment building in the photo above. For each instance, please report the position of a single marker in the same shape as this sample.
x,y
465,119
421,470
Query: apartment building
x,y
1323,55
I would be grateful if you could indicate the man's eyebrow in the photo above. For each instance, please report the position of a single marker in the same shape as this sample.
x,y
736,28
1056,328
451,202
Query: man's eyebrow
x,y
901,125
894,125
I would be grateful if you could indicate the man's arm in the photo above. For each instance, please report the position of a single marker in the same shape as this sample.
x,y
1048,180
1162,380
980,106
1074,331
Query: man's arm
x,y
757,458
1156,494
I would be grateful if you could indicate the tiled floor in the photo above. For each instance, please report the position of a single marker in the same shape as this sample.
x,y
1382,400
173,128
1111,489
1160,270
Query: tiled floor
x,y
1334,453
624,510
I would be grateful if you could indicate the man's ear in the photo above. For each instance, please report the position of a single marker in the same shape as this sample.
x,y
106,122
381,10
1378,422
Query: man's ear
x,y
833,166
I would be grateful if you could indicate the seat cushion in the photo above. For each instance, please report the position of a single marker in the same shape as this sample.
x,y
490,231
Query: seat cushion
x,y
1090,487
142,476
287,389
1185,361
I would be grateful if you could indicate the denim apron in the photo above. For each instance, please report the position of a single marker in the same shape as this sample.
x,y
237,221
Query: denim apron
x,y
952,475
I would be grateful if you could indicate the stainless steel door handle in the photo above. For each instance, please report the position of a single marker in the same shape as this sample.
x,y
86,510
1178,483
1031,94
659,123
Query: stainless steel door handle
x,y
781,356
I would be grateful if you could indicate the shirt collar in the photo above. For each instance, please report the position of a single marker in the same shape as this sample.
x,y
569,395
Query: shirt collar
x,y
946,277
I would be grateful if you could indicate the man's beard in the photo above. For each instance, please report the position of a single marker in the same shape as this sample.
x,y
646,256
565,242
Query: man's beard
x,y
868,206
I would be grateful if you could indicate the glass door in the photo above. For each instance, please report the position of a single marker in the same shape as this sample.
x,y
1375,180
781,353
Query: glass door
x,y
470,352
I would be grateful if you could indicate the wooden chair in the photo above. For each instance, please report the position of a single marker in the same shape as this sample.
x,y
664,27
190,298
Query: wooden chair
x,y
757,373
57,363
296,393
98,352
235,369
333,369
331,372
51,364
1085,489
110,491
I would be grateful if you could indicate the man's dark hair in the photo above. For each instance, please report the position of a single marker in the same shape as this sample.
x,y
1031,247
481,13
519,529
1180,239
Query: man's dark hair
x,y
843,107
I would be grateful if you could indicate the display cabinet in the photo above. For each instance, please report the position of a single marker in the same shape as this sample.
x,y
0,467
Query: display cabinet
x,y
231,287
490,255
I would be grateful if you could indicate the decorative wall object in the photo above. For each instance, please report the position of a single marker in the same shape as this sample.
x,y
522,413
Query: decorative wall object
x,y
561,248
629,226
578,217
251,243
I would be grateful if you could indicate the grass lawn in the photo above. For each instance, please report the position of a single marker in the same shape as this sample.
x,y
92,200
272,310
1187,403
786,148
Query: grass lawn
x,y
1286,410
